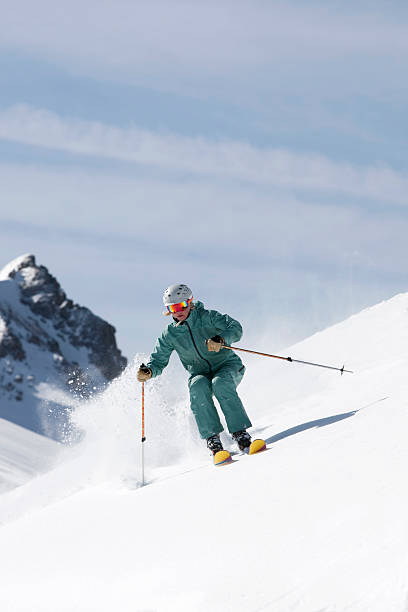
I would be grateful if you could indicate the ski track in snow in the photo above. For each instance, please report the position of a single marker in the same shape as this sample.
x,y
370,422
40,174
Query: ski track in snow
x,y
315,523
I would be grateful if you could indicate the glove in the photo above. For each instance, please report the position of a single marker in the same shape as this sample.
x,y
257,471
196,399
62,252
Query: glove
x,y
216,343
144,373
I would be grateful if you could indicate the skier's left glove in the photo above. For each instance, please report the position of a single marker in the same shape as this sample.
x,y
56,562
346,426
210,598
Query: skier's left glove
x,y
144,373
216,343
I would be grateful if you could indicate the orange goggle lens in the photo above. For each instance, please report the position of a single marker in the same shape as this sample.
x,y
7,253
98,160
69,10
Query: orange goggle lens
x,y
179,306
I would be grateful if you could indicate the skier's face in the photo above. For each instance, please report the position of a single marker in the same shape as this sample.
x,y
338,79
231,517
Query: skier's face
x,y
182,315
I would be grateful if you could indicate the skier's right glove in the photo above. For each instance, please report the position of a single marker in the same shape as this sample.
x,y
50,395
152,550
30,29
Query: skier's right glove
x,y
143,373
215,344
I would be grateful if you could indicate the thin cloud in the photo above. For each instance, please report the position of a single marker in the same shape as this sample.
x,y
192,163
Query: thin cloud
x,y
213,46
221,34
196,221
202,157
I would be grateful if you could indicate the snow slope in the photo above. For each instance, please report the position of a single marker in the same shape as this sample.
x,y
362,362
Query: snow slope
x,y
23,455
316,523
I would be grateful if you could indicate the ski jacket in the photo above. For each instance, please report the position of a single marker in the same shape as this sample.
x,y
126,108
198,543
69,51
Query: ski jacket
x,y
188,340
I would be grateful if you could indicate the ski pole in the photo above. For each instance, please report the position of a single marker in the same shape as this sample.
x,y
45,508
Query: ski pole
x,y
318,365
143,435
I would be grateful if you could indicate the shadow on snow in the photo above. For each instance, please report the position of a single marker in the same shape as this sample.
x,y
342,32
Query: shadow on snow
x,y
310,425
320,422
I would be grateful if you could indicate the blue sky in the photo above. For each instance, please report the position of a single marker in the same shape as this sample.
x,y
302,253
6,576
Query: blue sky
x,y
254,150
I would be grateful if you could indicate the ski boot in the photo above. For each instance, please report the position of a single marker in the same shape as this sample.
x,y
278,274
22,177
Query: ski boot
x,y
242,438
221,456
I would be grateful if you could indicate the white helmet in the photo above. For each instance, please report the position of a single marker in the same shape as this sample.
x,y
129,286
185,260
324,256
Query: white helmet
x,y
177,293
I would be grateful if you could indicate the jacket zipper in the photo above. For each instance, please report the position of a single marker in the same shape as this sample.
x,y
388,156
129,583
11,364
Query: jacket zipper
x,y
195,346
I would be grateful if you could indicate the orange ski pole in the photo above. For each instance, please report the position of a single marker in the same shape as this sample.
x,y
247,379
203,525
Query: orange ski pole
x,y
143,434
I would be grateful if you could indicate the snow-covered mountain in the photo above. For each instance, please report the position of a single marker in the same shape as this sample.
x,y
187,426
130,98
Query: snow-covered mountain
x,y
51,349
316,523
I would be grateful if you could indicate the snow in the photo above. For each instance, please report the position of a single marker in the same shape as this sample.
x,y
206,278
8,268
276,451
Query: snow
x,y
23,455
3,328
14,265
316,523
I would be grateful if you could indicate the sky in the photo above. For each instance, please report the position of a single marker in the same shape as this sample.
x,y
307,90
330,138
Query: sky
x,y
256,151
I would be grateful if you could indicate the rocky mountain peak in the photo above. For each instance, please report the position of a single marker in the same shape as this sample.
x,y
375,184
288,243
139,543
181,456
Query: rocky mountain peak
x,y
38,288
44,336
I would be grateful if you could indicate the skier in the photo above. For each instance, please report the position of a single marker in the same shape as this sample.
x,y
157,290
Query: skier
x,y
198,336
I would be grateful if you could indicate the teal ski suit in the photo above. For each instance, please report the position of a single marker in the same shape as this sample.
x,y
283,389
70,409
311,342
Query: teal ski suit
x,y
211,373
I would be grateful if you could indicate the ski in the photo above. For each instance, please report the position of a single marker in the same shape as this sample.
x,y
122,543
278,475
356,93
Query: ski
x,y
257,446
224,457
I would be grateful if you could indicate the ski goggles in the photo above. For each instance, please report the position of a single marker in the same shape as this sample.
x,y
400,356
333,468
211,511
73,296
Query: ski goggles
x,y
179,306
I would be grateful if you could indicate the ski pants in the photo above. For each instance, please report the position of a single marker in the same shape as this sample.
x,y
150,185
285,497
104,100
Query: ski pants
x,y
222,384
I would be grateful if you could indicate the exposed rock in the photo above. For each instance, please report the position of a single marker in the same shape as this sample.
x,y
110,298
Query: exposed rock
x,y
10,346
